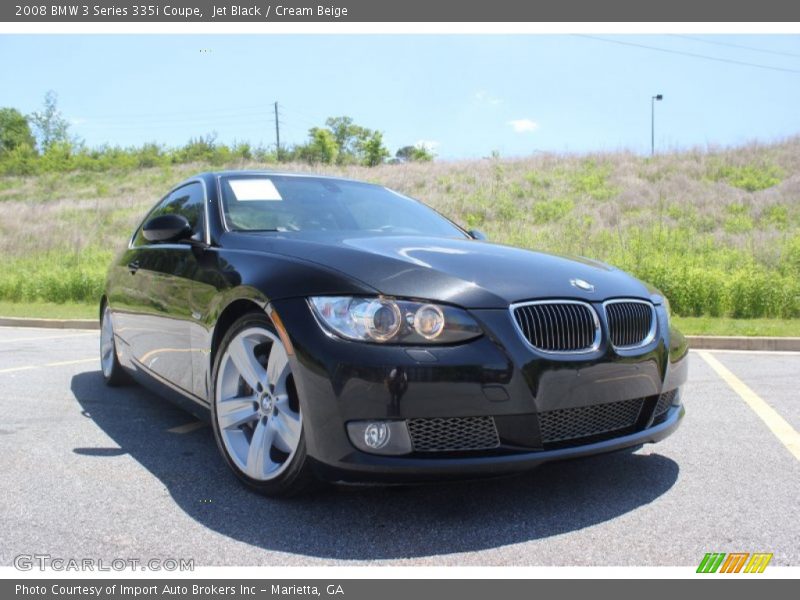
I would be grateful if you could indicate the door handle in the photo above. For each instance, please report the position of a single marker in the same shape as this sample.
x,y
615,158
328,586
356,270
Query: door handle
x,y
133,267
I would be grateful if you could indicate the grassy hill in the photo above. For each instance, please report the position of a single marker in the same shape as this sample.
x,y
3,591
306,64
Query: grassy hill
x,y
717,230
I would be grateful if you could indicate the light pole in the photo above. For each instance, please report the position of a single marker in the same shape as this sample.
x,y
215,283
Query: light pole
x,y
658,97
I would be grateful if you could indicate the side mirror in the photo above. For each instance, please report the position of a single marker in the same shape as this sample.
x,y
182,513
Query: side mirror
x,y
477,234
167,228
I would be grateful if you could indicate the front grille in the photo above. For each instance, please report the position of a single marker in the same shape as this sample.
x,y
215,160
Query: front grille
x,y
558,326
588,421
630,323
453,434
664,402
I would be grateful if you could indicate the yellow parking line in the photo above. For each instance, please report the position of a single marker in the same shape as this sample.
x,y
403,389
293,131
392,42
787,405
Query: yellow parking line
x,y
188,428
780,428
51,364
48,337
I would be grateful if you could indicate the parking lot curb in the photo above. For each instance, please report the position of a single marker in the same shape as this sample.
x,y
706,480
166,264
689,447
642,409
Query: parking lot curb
x,y
736,342
50,323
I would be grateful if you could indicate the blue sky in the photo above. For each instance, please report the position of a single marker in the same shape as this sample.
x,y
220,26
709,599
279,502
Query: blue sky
x,y
467,95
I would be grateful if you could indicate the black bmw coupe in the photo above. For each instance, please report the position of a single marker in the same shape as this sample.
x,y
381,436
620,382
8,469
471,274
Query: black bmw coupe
x,y
338,330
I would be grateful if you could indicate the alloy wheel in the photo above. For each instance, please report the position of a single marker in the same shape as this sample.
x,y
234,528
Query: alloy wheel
x,y
257,412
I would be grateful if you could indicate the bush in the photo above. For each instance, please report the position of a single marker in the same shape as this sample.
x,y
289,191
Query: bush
x,y
22,160
592,180
750,178
546,211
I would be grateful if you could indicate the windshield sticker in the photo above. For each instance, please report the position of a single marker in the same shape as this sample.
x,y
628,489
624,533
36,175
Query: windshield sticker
x,y
247,190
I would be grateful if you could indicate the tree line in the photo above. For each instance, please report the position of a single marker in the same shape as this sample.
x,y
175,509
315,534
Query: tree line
x,y
43,142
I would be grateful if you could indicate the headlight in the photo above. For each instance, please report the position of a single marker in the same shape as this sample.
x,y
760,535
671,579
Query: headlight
x,y
385,320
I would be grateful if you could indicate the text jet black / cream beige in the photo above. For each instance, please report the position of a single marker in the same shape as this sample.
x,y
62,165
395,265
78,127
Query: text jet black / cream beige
x,y
277,11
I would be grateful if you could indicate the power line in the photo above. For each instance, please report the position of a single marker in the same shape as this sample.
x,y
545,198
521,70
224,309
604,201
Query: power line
x,y
172,124
242,117
300,116
690,54
215,111
731,45
218,119
304,111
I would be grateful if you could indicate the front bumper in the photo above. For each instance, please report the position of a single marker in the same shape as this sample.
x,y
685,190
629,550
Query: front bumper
x,y
360,467
496,375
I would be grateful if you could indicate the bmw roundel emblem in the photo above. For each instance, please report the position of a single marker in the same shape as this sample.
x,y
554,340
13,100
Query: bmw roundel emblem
x,y
582,285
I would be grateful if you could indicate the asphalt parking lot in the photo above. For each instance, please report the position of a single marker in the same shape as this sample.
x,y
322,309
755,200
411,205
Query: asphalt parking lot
x,y
89,471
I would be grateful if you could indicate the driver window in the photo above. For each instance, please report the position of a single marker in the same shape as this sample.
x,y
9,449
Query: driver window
x,y
188,201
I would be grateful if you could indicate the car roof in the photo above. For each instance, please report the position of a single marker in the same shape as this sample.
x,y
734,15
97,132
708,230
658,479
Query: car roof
x,y
208,177
267,172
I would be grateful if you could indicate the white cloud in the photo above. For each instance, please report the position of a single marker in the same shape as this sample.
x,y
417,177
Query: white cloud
x,y
484,97
523,125
77,121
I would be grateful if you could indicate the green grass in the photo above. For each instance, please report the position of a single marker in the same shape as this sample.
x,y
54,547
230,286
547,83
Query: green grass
x,y
744,327
49,310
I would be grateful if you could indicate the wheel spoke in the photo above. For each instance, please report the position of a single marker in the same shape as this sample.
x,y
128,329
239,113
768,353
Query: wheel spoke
x,y
244,359
106,344
235,412
258,460
277,368
287,427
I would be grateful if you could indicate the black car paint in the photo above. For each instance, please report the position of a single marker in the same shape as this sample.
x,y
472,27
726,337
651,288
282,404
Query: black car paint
x,y
168,308
388,383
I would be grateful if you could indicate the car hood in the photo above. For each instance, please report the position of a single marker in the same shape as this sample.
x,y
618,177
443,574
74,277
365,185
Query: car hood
x,y
465,272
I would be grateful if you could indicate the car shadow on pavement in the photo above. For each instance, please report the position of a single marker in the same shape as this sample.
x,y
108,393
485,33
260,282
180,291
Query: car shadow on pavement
x,y
367,523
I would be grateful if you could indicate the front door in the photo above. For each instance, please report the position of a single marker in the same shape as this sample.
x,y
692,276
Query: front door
x,y
153,312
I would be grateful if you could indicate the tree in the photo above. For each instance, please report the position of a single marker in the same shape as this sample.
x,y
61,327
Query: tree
x,y
374,151
321,147
51,127
417,153
349,138
15,132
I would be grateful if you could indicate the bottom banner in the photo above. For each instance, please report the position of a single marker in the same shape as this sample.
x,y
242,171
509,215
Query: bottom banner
x,y
370,589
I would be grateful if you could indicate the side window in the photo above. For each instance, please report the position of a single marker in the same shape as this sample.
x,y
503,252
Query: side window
x,y
188,201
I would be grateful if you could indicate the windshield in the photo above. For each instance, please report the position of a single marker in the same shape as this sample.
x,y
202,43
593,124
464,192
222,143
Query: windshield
x,y
292,203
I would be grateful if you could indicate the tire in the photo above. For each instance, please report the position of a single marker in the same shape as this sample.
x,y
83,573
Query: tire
x,y
113,373
255,410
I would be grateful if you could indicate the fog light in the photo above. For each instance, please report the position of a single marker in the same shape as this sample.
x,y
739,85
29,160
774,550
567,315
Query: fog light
x,y
376,435
380,437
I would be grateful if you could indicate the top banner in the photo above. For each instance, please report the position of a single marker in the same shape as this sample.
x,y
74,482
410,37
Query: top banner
x,y
463,11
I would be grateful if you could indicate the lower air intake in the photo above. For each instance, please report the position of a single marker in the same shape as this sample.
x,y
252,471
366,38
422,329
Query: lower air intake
x,y
664,402
453,434
588,421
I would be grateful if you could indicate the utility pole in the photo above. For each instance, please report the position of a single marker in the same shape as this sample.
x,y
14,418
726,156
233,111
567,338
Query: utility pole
x,y
658,97
277,133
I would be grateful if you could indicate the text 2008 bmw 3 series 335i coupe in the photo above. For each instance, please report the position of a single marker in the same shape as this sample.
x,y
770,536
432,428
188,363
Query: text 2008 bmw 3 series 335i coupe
x,y
337,330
